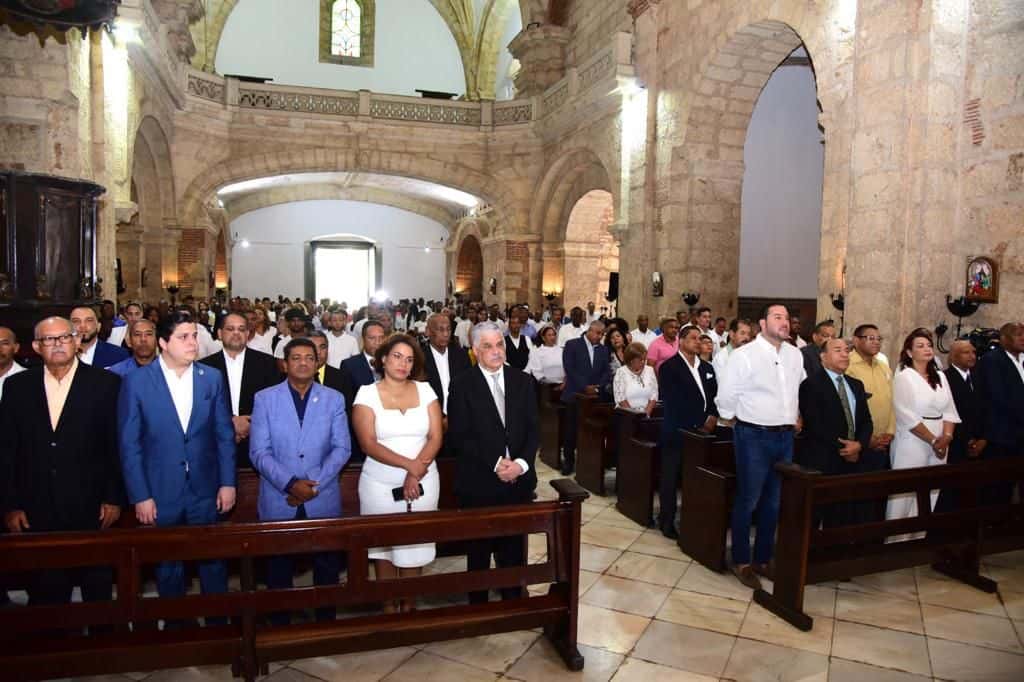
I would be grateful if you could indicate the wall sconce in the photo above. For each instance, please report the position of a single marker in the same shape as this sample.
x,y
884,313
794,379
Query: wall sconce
x,y
839,302
690,298
961,308
173,289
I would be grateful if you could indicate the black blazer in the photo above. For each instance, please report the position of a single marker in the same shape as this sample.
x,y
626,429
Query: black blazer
x,y
517,355
353,373
60,478
824,422
812,358
259,371
970,407
682,402
458,360
1003,394
479,438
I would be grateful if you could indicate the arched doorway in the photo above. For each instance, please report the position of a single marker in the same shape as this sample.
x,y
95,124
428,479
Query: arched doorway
x,y
469,270
590,252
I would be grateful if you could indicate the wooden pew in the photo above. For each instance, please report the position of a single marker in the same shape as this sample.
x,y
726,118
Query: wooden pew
x,y
708,487
953,543
636,477
29,650
594,450
552,421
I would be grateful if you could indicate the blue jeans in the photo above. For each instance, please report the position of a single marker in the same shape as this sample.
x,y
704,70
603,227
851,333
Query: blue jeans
x,y
757,487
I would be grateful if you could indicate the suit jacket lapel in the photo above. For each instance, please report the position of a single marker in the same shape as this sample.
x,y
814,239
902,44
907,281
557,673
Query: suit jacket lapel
x,y
164,390
43,409
197,391
73,396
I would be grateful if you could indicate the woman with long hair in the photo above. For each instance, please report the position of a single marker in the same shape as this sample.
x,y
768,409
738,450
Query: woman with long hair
x,y
925,418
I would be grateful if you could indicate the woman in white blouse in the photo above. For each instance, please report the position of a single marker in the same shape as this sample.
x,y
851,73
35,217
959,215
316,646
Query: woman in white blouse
x,y
635,385
925,418
546,361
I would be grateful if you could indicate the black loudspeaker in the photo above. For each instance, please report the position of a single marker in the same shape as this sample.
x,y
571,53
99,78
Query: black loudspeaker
x,y
613,286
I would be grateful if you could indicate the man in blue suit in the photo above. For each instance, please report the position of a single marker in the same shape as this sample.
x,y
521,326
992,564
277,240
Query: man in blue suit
x,y
1000,375
687,388
91,349
178,446
299,441
587,370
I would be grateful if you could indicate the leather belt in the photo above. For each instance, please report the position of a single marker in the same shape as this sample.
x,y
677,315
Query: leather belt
x,y
762,427
933,418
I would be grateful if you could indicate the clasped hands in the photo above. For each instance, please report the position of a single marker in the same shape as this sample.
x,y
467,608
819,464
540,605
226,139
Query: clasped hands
x,y
416,469
850,450
301,491
940,445
508,470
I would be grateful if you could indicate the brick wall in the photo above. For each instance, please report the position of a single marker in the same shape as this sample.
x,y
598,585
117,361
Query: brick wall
x,y
190,259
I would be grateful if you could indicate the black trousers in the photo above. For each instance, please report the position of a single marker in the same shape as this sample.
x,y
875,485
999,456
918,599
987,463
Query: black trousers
x,y
50,587
1002,492
326,566
572,419
508,551
668,484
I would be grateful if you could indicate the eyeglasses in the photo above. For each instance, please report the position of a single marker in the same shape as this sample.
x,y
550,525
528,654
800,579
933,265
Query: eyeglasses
x,y
872,338
48,341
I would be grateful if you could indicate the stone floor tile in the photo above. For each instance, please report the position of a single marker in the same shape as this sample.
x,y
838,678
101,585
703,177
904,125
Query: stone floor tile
x,y
365,666
963,662
900,583
636,670
880,610
597,559
648,568
1011,559
613,517
820,600
603,535
841,670
542,663
631,596
970,628
705,611
1010,578
762,662
880,647
289,675
587,580
427,666
489,652
956,595
206,673
653,542
611,630
699,579
764,626
686,648
1013,602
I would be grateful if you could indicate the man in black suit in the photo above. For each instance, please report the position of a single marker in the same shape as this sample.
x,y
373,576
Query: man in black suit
x,y
968,436
587,370
356,372
494,426
687,388
59,456
823,331
246,372
443,361
1000,377
837,428
517,346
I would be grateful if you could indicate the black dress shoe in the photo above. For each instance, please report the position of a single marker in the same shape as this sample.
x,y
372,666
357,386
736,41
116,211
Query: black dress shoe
x,y
670,532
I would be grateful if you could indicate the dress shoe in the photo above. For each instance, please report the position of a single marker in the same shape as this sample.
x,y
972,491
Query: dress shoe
x,y
745,574
763,570
670,532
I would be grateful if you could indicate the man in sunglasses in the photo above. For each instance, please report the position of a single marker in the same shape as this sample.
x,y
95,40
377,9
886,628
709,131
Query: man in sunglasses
x,y
64,470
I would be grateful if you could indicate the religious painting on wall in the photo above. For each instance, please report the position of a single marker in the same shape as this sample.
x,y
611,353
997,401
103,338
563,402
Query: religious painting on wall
x,y
982,284
657,284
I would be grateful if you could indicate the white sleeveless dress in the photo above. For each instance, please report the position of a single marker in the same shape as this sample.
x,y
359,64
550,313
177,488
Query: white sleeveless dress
x,y
404,434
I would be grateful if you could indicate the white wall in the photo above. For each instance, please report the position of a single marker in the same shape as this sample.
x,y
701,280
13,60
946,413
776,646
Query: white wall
x,y
278,39
781,211
273,264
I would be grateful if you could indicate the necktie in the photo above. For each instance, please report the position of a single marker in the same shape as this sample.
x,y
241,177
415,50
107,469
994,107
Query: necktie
x,y
499,397
970,384
845,400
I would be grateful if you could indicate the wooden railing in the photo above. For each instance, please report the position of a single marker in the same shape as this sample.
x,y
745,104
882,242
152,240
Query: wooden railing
x,y
29,649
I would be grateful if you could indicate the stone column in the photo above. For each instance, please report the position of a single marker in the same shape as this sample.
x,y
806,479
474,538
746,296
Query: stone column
x,y
541,54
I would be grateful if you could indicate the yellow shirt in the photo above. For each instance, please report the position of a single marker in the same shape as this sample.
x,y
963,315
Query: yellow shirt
x,y
57,391
320,374
877,380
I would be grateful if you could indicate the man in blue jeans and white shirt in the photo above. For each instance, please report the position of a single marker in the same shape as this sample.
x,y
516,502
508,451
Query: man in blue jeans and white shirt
x,y
760,390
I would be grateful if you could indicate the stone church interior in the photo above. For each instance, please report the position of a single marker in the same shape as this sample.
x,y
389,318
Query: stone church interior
x,y
405,210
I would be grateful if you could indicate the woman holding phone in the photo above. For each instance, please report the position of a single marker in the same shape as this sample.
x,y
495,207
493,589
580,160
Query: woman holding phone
x,y
398,424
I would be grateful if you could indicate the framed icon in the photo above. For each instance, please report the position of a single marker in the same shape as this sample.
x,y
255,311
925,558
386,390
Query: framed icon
x,y
657,284
982,280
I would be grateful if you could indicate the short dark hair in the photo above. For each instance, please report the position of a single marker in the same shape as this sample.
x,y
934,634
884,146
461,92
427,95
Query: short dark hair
x,y
300,342
685,331
861,328
702,310
133,304
240,316
417,354
719,319
763,315
824,323
371,323
171,321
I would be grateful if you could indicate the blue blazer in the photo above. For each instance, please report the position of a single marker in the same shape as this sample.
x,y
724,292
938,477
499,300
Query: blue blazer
x,y
579,372
156,453
1002,392
683,405
280,449
108,354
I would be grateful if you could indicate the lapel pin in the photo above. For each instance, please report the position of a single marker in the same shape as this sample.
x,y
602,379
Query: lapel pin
x,y
316,398
200,372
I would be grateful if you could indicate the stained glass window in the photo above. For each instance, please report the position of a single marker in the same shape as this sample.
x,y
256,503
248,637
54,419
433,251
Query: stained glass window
x,y
346,17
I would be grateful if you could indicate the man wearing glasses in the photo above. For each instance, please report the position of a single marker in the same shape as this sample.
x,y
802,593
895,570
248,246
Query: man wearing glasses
x,y
58,447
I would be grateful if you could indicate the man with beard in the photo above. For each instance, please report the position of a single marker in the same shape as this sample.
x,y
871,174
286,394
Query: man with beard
x,y
91,349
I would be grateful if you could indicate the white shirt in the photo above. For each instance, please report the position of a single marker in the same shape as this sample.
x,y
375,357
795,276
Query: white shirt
x,y
800,343
400,322
181,392
14,369
263,342
444,373
567,332
695,372
87,356
490,384
592,317
643,337
117,335
635,390
761,384
964,373
340,348
720,360
546,364
234,372
207,345
281,343
462,332
718,339
1016,363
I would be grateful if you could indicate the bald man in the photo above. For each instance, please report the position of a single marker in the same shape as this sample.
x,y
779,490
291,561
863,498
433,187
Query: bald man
x,y
1000,375
91,349
8,349
968,436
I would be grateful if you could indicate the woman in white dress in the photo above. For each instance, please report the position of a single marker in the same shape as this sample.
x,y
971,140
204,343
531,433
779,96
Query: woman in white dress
x,y
635,385
925,418
546,360
398,423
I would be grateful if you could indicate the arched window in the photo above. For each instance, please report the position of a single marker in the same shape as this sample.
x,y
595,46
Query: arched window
x,y
346,32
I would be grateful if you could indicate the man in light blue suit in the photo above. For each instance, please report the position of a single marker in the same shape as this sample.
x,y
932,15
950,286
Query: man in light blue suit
x,y
178,446
299,441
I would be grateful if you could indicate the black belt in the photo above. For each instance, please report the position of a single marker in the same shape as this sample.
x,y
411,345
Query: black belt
x,y
933,418
762,427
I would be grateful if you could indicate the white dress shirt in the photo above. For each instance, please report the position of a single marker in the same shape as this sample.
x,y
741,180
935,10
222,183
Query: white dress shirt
x,y
11,371
87,356
444,373
340,348
490,384
717,339
695,372
462,330
207,344
643,337
546,365
181,392
567,332
761,384
234,372
720,360
117,335
263,342
281,343
1016,363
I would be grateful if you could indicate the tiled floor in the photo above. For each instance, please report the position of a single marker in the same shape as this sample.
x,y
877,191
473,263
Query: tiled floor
x,y
649,614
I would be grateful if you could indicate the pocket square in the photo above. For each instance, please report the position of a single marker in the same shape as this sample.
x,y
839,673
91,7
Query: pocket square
x,y
709,376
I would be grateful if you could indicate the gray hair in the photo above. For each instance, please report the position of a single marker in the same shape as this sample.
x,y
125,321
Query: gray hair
x,y
483,328
55,318
317,334
594,323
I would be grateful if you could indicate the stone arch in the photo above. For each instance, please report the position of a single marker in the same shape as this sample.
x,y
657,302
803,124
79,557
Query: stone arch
x,y
589,250
206,34
469,269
